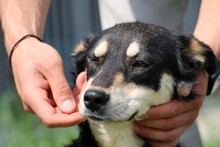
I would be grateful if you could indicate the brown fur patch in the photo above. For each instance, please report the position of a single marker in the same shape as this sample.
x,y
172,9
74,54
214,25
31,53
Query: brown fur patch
x,y
79,48
196,50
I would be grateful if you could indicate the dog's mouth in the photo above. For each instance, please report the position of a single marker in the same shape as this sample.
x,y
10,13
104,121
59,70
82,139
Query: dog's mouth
x,y
132,116
112,118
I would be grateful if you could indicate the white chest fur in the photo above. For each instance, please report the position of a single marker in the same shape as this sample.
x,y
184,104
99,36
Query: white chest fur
x,y
115,134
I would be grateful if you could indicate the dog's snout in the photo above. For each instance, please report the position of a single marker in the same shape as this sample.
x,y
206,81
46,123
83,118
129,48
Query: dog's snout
x,y
94,99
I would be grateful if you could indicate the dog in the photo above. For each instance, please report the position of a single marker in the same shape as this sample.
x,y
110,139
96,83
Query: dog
x,y
131,67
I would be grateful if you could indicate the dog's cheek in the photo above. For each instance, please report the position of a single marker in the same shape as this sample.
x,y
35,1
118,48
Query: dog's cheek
x,y
140,98
165,92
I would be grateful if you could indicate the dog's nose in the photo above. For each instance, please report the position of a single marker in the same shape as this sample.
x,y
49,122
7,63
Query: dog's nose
x,y
94,99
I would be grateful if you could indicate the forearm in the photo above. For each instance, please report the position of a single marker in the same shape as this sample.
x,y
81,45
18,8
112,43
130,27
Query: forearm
x,y
208,25
21,17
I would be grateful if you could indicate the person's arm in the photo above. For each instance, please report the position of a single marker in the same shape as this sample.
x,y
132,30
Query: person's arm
x,y
37,67
208,25
22,17
165,123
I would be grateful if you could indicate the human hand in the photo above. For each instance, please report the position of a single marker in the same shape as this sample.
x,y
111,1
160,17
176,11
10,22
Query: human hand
x,y
165,123
40,81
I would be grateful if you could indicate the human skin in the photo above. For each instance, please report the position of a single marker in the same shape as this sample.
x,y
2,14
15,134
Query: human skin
x,y
37,67
40,81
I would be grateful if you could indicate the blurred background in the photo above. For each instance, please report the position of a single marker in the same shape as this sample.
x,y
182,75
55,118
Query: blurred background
x,y
68,22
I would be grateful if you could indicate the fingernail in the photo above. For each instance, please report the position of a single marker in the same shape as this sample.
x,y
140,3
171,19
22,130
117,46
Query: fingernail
x,y
67,106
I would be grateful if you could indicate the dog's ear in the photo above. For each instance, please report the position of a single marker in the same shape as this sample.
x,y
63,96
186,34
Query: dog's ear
x,y
196,55
79,55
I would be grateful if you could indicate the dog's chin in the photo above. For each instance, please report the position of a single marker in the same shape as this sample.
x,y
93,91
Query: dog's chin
x,y
110,118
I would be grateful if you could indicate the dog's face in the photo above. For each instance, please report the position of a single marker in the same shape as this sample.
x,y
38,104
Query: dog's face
x,y
133,66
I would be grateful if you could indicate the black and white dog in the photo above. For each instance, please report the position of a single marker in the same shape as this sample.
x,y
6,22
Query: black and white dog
x,y
131,67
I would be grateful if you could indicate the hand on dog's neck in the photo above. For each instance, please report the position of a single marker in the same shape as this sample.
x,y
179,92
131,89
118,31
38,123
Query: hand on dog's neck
x,y
115,134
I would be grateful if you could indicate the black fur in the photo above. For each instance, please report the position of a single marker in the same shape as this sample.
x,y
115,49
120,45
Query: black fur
x,y
162,51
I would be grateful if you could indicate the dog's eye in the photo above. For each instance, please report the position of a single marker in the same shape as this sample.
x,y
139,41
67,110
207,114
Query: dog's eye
x,y
139,64
93,58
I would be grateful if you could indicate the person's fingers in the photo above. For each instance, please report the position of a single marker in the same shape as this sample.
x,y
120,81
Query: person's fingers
x,y
158,134
27,108
40,102
170,109
80,85
60,88
172,143
52,116
165,123
42,85
170,123
81,79
176,107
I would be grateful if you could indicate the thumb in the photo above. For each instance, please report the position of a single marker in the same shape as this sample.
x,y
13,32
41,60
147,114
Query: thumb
x,y
81,80
80,85
62,93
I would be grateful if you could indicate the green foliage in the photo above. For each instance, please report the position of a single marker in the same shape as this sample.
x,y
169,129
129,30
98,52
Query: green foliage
x,y
21,129
212,143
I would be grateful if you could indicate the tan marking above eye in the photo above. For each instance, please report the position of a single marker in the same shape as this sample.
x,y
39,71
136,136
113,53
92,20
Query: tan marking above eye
x,y
133,49
101,49
79,48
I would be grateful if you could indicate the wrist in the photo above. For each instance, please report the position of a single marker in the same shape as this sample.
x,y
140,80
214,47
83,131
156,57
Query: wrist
x,y
18,42
11,36
20,18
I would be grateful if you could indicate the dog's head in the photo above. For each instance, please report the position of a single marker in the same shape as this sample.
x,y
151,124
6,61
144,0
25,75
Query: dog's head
x,y
133,66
